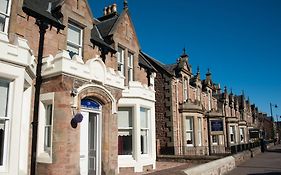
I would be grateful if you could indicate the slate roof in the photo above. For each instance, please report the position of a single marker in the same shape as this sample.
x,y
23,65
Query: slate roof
x,y
106,24
97,39
145,63
39,10
156,63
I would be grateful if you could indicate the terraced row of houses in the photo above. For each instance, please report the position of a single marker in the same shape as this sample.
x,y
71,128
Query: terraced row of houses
x,y
133,107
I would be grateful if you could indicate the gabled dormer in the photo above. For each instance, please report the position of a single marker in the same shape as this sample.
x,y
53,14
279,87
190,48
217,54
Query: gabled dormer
x,y
116,31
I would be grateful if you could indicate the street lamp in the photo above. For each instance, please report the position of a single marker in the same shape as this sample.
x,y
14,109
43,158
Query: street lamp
x,y
275,106
47,14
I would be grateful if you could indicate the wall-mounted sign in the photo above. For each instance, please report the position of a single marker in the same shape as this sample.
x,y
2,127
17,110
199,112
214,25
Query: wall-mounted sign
x,y
254,133
216,125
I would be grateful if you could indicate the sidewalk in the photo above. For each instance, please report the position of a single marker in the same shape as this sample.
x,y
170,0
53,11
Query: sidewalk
x,y
267,163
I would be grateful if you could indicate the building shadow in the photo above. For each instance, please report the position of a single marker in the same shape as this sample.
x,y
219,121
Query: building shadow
x,y
269,173
274,150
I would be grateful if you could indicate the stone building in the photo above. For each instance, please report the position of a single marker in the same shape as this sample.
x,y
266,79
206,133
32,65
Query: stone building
x,y
182,104
103,101
91,74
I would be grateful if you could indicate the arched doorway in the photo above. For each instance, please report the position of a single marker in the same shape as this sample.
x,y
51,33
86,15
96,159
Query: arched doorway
x,y
90,137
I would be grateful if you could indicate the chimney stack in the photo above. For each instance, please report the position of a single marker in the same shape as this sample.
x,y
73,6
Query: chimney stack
x,y
110,9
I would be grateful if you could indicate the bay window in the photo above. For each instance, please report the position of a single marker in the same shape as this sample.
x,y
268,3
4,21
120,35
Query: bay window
x,y
74,39
125,131
189,131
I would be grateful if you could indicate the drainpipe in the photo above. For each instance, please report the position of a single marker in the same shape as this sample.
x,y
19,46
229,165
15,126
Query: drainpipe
x,y
209,135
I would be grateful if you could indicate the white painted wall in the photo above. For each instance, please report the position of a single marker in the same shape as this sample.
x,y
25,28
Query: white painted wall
x,y
17,65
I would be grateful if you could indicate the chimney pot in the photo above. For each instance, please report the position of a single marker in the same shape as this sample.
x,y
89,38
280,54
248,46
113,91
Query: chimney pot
x,y
105,11
108,10
114,8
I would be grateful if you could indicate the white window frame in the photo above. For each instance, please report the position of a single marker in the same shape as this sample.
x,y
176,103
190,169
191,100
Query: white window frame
x,y
200,137
7,120
44,154
48,127
190,131
209,100
121,60
146,129
232,132
242,134
185,92
129,129
7,16
215,139
130,66
78,46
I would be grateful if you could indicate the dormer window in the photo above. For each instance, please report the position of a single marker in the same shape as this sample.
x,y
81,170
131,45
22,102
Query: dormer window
x,y
4,15
74,39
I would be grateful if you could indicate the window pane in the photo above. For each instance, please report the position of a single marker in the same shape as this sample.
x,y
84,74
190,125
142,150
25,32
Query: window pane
x,y
144,141
144,118
189,124
4,6
215,139
130,59
2,22
4,89
125,142
120,60
200,138
74,34
49,114
241,134
73,49
47,137
189,138
199,124
2,140
125,117
232,137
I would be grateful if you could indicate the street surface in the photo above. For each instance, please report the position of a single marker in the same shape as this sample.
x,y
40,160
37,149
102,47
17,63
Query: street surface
x,y
267,163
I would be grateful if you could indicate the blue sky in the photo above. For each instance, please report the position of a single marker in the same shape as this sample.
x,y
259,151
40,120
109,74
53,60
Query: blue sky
x,y
239,40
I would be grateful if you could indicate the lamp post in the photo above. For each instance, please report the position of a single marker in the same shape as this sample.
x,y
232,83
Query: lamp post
x,y
47,14
272,105
275,106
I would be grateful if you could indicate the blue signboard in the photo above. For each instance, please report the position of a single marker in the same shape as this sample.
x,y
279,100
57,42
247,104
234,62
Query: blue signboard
x,y
90,104
217,125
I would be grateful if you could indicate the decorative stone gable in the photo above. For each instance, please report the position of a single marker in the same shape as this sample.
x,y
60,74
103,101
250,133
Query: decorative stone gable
x,y
93,70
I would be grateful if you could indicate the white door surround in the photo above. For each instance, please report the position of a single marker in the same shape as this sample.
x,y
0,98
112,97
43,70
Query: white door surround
x,y
90,140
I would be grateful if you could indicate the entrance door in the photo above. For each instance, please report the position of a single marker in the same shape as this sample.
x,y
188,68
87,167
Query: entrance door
x,y
90,144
